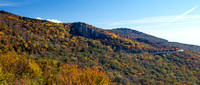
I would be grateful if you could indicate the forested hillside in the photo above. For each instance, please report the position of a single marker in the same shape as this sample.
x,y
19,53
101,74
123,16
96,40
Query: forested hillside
x,y
145,37
36,51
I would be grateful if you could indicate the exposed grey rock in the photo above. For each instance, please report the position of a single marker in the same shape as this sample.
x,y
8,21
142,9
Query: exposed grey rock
x,y
80,29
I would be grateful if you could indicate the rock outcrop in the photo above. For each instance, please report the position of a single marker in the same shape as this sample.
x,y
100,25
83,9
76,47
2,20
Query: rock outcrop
x,y
81,29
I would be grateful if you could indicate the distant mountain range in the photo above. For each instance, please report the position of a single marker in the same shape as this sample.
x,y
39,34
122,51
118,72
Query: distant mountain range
x,y
40,52
143,36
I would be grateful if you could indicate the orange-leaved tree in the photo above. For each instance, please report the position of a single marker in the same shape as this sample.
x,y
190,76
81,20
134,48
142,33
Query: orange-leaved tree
x,y
71,75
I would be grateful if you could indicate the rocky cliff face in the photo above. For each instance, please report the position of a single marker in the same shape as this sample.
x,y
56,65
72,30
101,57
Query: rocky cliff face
x,y
81,29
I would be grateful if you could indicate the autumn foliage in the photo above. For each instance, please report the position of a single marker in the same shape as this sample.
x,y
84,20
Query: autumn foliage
x,y
71,75
40,52
16,68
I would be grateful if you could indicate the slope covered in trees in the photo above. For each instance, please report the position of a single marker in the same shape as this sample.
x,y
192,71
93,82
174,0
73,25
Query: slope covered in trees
x,y
42,52
145,37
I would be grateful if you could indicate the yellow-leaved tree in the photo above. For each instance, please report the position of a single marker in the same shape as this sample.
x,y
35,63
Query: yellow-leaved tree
x,y
71,75
14,66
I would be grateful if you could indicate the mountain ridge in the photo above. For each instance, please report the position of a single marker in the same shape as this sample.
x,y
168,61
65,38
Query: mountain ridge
x,y
140,35
44,52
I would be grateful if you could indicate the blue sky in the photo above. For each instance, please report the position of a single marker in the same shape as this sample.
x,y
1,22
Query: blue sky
x,y
174,20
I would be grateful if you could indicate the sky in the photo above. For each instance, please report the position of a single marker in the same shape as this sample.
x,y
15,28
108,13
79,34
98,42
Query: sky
x,y
174,20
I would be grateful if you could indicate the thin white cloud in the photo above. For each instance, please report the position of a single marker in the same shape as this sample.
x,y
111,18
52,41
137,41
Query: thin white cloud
x,y
158,21
161,20
182,15
6,4
51,20
39,18
54,20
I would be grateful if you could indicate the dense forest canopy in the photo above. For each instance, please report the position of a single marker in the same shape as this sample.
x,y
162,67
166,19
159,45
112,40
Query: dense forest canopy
x,y
34,51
